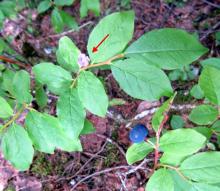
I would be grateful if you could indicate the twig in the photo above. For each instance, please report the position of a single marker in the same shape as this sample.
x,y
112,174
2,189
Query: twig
x,y
112,142
183,108
156,151
94,156
115,116
9,60
123,181
99,173
166,117
212,4
87,162
107,62
67,32
210,31
138,166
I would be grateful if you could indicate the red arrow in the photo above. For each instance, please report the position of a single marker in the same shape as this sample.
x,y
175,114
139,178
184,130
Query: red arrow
x,y
95,48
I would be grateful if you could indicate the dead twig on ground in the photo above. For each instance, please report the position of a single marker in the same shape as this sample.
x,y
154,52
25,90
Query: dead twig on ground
x,y
82,167
67,32
212,4
210,31
99,173
112,142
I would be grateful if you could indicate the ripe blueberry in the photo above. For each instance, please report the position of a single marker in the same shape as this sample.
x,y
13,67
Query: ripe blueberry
x,y
138,133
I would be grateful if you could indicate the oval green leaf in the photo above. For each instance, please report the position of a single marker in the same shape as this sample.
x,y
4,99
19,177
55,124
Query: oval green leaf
x,y
203,115
202,167
17,147
6,110
141,80
137,152
209,83
167,48
56,78
119,26
92,93
67,54
161,180
71,113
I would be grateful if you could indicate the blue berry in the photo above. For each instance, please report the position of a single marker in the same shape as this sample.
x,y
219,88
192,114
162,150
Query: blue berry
x,y
138,133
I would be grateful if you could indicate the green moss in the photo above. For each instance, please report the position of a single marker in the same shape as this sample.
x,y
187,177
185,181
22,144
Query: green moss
x,y
9,188
112,155
44,167
41,166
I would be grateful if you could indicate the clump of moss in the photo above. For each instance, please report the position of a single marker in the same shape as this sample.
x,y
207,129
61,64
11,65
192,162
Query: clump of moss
x,y
112,155
44,167
41,166
9,188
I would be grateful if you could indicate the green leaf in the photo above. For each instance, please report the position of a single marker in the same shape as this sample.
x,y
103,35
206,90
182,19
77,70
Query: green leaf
x,y
204,187
63,2
92,93
87,128
119,26
87,5
6,110
41,96
47,134
202,167
177,122
137,152
8,77
8,8
71,113
43,6
125,3
57,20
167,48
159,115
56,78
21,4
180,184
207,132
161,180
17,147
216,126
21,91
213,62
197,92
175,75
2,17
203,115
209,83
68,20
177,144
132,78
67,54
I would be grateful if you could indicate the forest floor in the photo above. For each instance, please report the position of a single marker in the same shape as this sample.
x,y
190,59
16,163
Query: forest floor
x,y
102,165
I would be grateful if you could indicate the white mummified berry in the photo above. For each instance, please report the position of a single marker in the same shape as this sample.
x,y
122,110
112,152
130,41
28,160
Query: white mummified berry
x,y
83,60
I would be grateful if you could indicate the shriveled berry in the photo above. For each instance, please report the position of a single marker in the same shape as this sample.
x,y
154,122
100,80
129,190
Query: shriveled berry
x,y
138,133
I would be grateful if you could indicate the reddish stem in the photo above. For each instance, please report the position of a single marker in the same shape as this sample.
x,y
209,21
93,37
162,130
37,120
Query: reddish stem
x,y
12,61
156,151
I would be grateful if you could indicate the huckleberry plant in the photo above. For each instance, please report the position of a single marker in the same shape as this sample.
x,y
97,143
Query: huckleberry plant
x,y
138,68
61,19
